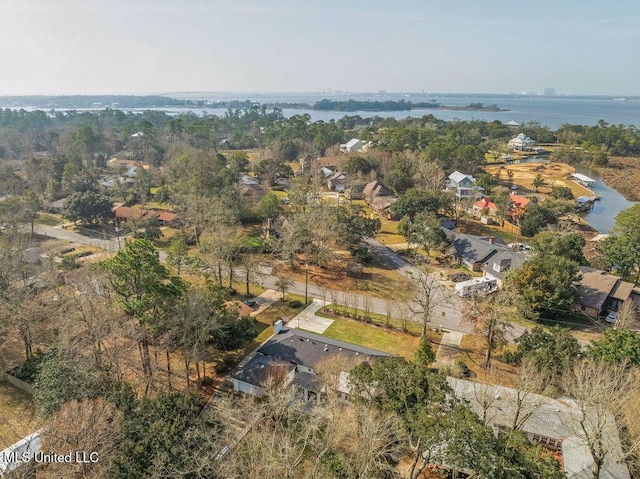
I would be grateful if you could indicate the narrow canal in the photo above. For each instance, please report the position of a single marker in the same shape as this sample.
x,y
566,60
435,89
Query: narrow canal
x,y
603,214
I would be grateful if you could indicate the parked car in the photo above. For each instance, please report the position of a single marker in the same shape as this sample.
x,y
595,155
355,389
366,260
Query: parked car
x,y
611,317
251,303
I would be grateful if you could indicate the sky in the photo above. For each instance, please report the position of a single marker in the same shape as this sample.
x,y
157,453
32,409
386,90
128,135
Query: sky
x,y
585,47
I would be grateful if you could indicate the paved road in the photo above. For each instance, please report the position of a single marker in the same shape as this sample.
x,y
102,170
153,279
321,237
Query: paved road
x,y
452,307
452,304
60,233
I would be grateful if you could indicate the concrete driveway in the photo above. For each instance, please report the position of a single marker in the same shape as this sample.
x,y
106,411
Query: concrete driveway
x,y
308,320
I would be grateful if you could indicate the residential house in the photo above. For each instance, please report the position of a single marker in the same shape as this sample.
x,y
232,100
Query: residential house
x,y
326,172
381,204
600,292
250,187
378,197
166,217
337,182
503,261
553,423
374,189
292,357
352,146
125,213
242,308
484,206
521,143
487,254
518,207
326,161
464,186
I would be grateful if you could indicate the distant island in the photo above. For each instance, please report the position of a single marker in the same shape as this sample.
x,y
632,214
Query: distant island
x,y
95,102
399,105
47,102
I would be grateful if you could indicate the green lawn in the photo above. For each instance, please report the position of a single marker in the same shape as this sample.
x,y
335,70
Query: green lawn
x,y
374,318
264,321
398,343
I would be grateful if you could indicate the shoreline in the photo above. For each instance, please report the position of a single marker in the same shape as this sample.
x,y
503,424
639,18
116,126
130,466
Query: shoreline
x,y
623,175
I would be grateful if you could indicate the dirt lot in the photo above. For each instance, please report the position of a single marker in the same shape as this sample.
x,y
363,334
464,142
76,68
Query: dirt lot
x,y
555,174
624,174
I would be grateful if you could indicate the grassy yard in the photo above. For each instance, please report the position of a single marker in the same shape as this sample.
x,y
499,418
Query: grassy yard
x,y
264,322
374,318
17,417
393,342
472,351
49,219
388,233
469,226
252,235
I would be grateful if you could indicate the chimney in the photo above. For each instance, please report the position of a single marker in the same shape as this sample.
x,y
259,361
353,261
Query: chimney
x,y
278,326
492,239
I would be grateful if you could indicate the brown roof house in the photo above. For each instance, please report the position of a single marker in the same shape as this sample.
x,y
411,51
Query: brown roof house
x,y
378,196
599,292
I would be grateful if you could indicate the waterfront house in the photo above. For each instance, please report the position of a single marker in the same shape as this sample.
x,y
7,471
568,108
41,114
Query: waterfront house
x,y
517,207
484,206
487,254
521,143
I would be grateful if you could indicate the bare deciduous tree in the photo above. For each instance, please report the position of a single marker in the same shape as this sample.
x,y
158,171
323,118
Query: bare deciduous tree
x,y
486,313
602,393
89,426
425,296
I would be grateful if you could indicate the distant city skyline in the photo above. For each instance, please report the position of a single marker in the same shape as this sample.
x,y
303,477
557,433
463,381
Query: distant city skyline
x,y
584,47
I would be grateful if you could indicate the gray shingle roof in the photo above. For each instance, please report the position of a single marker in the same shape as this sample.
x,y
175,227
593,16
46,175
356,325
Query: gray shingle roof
x,y
553,418
473,249
260,368
300,347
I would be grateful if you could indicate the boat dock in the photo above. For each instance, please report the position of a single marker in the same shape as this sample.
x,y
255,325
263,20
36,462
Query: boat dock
x,y
584,180
585,203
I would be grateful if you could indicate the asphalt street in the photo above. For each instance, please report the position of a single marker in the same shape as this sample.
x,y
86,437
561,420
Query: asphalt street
x,y
448,315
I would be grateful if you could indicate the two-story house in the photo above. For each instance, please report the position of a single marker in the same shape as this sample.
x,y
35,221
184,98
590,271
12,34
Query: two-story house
x,y
464,186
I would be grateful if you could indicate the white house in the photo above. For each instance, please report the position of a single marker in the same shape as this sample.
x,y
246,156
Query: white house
x,y
352,146
463,185
521,143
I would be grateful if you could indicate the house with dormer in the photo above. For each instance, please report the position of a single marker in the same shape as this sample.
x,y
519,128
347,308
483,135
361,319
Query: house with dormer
x,y
464,186
491,255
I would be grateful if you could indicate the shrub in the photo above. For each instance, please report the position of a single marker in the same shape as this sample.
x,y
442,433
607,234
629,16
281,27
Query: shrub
x,y
295,303
460,370
224,366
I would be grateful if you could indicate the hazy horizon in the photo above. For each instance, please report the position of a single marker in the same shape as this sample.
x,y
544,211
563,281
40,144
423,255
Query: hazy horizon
x,y
141,47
